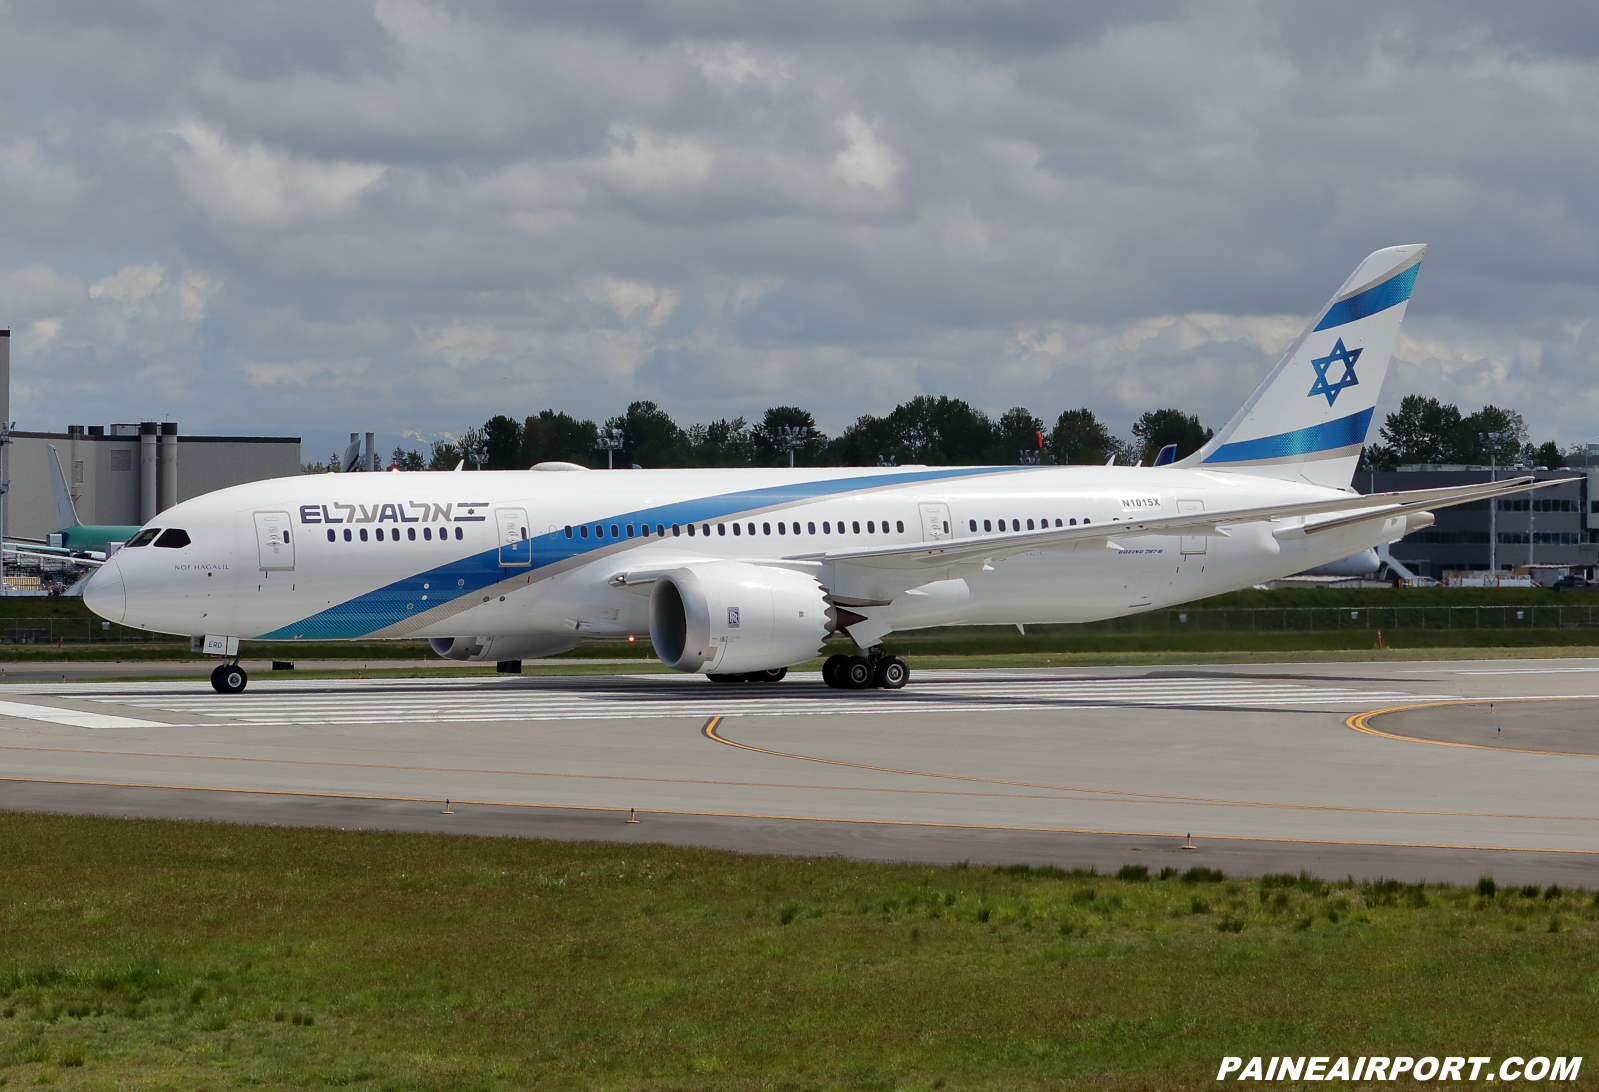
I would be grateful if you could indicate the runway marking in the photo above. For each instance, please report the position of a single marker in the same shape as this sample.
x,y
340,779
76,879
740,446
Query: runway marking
x,y
709,731
1360,723
74,718
313,702
798,818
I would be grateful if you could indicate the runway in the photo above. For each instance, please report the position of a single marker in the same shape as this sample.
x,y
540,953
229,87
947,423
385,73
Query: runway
x,y
1269,768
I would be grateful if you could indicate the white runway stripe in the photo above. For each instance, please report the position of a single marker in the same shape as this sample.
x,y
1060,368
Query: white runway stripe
x,y
386,701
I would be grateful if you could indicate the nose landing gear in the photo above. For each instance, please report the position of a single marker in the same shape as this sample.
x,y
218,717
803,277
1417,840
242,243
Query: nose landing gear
x,y
229,679
863,672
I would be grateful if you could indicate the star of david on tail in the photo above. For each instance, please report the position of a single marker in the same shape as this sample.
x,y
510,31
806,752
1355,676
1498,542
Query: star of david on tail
x,y
1347,357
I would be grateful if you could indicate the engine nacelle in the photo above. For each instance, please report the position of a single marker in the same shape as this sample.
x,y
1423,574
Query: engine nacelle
x,y
480,650
728,617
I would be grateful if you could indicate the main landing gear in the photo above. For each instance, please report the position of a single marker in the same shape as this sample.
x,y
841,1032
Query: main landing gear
x,y
229,679
863,672
774,675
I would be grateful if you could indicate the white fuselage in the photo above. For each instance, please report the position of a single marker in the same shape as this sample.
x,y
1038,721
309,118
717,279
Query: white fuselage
x,y
345,556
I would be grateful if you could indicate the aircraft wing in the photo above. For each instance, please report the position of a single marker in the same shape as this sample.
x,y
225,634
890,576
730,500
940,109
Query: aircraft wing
x,y
1354,508
54,553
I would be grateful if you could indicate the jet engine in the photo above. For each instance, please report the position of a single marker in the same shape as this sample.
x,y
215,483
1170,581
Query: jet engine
x,y
479,650
728,617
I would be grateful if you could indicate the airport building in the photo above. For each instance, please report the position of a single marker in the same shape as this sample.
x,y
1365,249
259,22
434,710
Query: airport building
x,y
1552,529
123,474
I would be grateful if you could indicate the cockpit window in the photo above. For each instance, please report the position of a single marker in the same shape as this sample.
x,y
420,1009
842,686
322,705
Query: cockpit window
x,y
175,538
143,538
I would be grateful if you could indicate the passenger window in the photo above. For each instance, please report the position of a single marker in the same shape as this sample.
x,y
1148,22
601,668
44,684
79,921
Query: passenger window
x,y
1015,525
691,530
331,536
346,534
524,532
1057,523
752,529
973,522
766,528
410,533
705,528
458,535
721,529
987,526
583,531
1087,521
615,531
630,530
1029,525
810,528
676,530
380,534
363,534
427,533
143,538
827,527
599,530
738,529
856,525
782,528
871,528
899,526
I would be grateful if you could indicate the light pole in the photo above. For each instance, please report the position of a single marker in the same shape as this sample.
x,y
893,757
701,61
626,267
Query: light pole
x,y
1492,439
610,444
788,437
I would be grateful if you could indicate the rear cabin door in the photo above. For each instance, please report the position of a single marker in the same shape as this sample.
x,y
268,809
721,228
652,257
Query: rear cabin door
x,y
516,547
274,542
1191,544
935,523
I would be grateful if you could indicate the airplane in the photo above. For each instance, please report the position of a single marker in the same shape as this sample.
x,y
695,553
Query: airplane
x,y
739,574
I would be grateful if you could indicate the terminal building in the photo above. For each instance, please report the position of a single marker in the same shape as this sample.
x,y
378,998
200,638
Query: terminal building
x,y
1541,533
123,474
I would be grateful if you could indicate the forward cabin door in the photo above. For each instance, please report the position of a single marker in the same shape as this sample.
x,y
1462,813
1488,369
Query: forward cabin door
x,y
935,523
274,542
1191,544
516,547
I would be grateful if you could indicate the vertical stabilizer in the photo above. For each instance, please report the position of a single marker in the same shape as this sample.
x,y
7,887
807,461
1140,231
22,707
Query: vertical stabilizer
x,y
66,514
1309,419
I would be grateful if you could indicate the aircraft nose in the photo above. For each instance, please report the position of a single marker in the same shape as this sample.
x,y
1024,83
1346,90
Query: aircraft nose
x,y
105,594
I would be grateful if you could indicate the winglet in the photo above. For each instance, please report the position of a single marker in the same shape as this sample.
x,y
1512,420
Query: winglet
x,y
66,513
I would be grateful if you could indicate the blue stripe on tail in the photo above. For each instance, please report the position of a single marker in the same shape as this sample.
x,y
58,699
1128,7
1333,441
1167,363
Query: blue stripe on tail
x,y
1304,441
1379,297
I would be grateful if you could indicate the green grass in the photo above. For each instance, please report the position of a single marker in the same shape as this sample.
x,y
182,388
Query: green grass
x,y
182,955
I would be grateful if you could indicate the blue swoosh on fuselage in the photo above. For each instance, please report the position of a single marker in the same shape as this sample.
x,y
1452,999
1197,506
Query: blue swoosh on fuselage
x,y
449,582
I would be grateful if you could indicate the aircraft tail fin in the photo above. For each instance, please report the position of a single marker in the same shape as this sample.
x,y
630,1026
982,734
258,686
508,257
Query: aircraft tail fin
x,y
66,514
1308,420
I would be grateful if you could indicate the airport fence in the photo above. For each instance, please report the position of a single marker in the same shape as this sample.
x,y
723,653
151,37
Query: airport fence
x,y
49,631
1308,619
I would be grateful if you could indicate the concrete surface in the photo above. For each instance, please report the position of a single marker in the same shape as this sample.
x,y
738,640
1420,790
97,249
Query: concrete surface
x,y
1099,766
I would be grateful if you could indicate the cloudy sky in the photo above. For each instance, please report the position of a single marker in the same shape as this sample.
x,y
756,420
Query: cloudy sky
x,y
316,216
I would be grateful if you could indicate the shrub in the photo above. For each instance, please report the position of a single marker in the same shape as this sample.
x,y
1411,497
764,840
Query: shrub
x,y
1486,887
1205,875
1198,906
787,914
1133,873
1230,924
1083,895
1552,892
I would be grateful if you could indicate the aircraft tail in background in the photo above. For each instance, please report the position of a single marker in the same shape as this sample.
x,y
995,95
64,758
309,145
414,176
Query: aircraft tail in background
x,y
66,514
1309,419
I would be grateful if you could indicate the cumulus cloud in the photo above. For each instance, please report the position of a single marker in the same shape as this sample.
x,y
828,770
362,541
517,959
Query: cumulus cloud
x,y
407,215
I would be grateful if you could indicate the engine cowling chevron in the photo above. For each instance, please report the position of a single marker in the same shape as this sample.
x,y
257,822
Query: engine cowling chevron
x,y
728,617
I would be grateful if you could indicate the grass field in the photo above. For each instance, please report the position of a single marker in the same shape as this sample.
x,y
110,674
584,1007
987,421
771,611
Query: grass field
x,y
143,954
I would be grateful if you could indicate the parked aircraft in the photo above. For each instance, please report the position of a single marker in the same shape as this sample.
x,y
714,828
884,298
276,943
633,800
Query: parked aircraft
x,y
739,574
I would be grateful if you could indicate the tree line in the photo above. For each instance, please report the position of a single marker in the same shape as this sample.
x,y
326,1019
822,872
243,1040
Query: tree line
x,y
1425,430
927,429
937,431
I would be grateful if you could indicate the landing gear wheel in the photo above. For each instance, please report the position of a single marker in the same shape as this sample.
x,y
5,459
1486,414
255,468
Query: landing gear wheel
x,y
857,673
833,671
892,673
229,679
726,679
774,675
